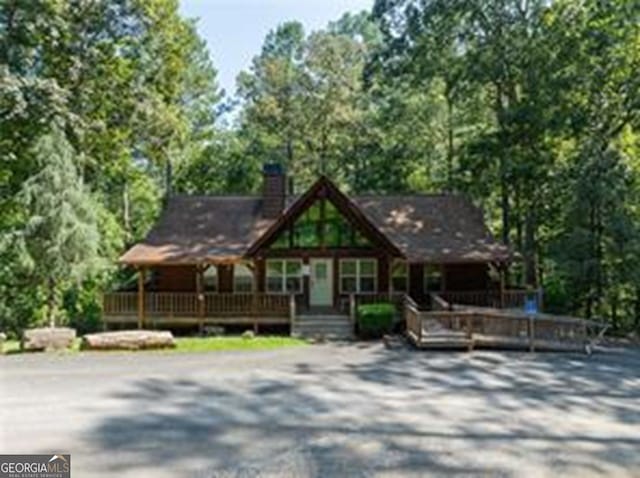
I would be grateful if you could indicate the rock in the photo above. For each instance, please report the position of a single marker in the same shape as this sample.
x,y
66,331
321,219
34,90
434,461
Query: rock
x,y
248,334
3,338
129,340
48,338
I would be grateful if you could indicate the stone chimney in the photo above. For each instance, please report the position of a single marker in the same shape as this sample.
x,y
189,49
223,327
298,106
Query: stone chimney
x,y
274,190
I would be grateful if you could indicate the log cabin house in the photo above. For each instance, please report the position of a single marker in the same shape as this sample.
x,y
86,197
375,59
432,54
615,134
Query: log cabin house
x,y
270,259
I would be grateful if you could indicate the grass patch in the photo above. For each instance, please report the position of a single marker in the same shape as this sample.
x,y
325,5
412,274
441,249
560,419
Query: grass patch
x,y
212,344
13,347
196,344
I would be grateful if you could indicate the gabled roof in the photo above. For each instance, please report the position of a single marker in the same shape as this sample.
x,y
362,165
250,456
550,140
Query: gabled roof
x,y
195,229
429,228
325,188
434,228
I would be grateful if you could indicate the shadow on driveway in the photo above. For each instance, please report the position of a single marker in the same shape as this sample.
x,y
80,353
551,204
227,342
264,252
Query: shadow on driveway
x,y
394,412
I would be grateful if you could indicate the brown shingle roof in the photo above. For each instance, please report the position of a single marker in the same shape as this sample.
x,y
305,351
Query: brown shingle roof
x,y
432,228
195,229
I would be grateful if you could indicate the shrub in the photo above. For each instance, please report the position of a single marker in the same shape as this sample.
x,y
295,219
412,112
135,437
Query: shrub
x,y
375,320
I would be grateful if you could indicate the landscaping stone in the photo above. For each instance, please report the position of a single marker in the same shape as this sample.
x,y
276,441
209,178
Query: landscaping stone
x,y
129,340
248,334
48,338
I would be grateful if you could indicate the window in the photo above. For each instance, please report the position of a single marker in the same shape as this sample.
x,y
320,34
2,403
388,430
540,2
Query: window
x,y
210,279
284,276
322,225
358,275
432,277
306,231
399,276
338,232
242,278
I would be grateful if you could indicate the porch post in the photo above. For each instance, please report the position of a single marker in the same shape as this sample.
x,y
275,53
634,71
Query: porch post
x,y
200,297
141,276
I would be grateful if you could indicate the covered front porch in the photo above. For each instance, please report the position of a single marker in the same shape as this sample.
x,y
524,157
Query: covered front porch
x,y
274,291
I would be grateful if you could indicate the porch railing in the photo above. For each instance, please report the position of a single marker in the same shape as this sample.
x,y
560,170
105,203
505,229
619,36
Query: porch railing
x,y
120,303
508,299
249,304
488,327
188,304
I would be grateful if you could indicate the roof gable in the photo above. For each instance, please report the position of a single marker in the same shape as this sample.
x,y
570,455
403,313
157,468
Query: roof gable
x,y
324,188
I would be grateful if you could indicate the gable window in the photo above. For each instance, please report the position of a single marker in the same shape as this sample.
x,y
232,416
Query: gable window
x,y
321,225
432,277
284,276
358,275
210,279
399,276
242,278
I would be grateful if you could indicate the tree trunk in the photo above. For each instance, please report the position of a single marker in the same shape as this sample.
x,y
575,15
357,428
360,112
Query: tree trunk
x,y
530,248
126,214
636,307
168,179
450,147
51,302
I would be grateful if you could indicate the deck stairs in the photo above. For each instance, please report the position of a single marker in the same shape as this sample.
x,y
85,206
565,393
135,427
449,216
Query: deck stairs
x,y
331,326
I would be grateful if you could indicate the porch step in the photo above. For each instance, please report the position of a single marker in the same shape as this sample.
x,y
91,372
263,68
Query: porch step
x,y
326,326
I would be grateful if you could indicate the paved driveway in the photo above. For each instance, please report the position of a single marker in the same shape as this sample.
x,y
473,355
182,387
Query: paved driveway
x,y
326,411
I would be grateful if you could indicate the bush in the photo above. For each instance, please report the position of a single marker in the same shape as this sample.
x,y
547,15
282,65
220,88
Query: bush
x,y
375,320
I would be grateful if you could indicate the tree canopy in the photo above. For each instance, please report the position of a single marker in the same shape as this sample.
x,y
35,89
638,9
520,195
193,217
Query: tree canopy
x,y
532,109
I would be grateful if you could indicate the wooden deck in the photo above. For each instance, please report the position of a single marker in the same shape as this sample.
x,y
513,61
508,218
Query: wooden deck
x,y
184,309
470,327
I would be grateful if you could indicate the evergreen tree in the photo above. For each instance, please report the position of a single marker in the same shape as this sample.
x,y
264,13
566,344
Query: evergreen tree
x,y
60,239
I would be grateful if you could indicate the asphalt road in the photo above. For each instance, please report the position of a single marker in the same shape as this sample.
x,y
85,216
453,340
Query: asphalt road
x,y
326,411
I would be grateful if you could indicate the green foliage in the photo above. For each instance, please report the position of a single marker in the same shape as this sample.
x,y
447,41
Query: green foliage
x,y
59,241
530,108
374,320
135,93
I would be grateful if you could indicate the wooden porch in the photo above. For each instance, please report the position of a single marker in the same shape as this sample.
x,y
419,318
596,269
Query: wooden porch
x,y
176,309
450,326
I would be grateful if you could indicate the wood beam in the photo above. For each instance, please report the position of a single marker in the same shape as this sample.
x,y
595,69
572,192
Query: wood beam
x,y
200,296
141,313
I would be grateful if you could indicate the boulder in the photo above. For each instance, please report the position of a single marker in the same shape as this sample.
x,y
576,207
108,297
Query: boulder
x,y
48,338
129,340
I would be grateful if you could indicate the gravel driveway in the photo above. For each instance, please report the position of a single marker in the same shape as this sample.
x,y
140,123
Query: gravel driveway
x,y
326,411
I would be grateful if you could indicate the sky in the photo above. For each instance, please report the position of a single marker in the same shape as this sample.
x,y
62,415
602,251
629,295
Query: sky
x,y
235,29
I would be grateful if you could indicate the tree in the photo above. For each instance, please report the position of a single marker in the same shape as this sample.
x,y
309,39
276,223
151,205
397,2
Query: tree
x,y
60,239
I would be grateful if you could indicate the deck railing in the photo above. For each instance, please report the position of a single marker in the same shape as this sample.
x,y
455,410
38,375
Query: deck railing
x,y
246,304
490,327
120,303
508,299
171,304
189,304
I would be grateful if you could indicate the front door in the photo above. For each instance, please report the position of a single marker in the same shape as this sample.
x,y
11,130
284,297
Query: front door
x,y
321,282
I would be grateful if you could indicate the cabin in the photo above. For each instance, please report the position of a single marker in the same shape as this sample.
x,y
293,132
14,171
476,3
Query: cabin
x,y
279,257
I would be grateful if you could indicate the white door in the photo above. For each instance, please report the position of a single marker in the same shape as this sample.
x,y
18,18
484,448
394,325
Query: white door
x,y
321,282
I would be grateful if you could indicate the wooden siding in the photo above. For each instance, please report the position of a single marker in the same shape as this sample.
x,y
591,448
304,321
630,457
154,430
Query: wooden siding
x,y
173,279
459,277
